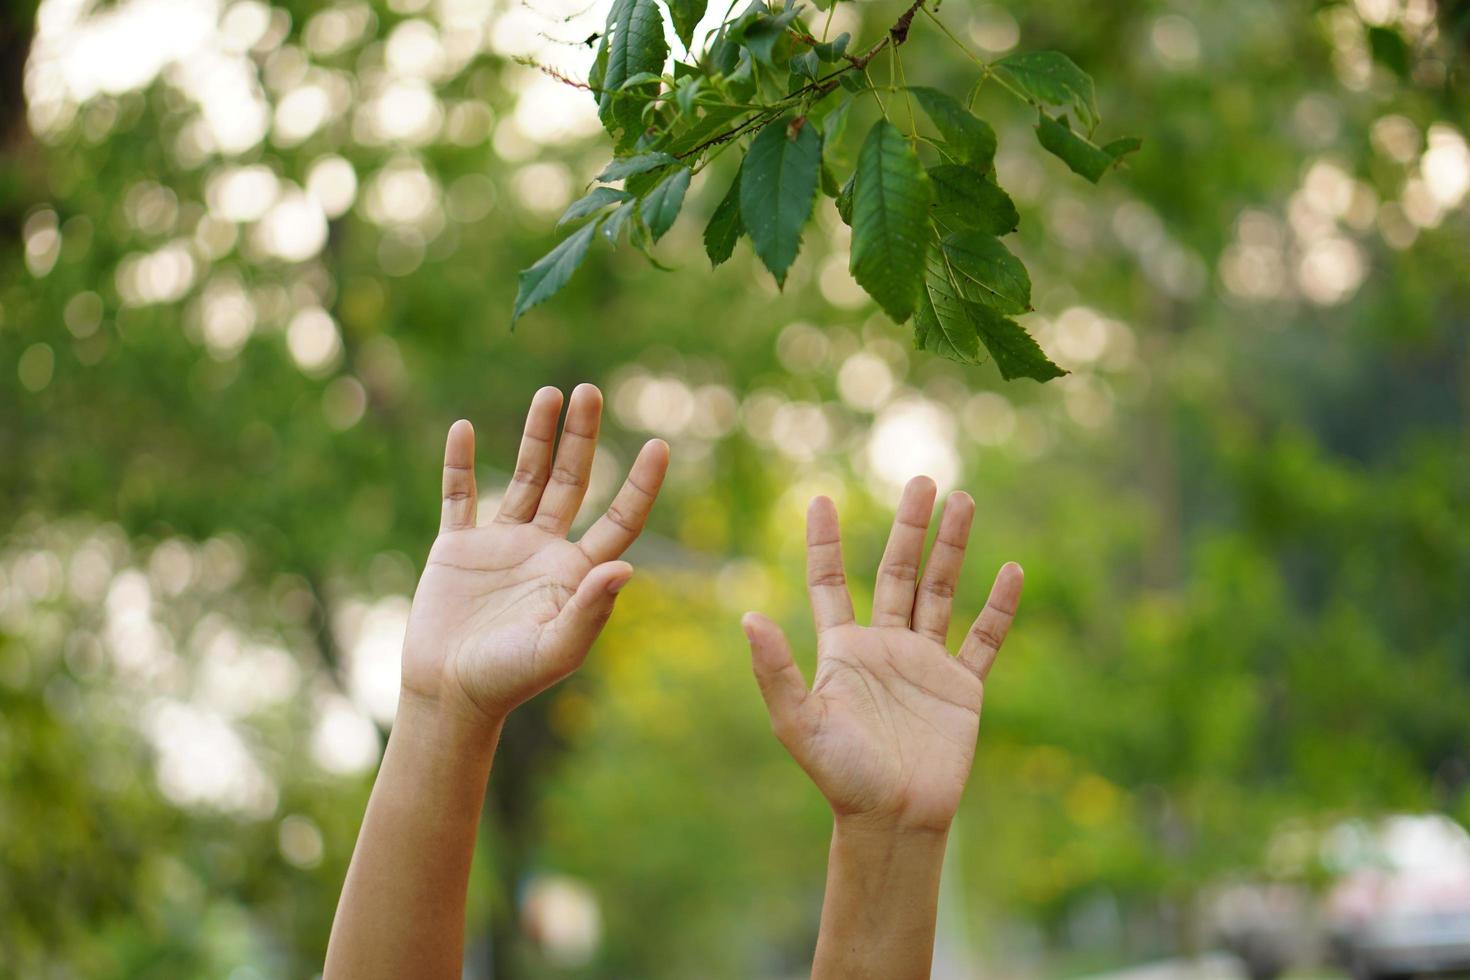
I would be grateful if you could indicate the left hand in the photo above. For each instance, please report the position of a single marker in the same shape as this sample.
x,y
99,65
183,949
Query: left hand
x,y
887,731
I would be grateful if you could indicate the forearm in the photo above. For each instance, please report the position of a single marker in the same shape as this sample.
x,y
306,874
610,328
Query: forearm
x,y
402,909
882,899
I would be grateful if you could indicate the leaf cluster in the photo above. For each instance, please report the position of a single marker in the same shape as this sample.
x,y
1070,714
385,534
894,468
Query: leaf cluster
x,y
926,209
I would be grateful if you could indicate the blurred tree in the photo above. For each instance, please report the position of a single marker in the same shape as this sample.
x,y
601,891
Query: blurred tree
x,y
260,259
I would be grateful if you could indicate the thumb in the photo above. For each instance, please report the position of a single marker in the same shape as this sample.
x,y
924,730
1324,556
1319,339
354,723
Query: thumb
x,y
584,615
780,680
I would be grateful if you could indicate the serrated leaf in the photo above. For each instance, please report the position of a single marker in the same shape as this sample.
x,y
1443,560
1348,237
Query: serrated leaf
x,y
686,15
844,201
634,42
612,226
778,184
1015,351
1051,78
624,167
987,272
890,220
662,204
965,199
1077,152
595,200
948,324
551,272
970,137
942,324
724,228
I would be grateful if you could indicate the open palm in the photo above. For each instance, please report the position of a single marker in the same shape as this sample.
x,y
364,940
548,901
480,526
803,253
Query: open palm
x,y
888,728
505,610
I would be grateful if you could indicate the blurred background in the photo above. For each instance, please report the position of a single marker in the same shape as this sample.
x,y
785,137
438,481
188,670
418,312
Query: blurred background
x,y
255,257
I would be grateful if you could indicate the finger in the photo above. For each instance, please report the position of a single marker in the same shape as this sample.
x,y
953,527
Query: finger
x,y
989,632
582,618
893,595
457,509
780,680
533,462
826,582
626,515
942,571
573,467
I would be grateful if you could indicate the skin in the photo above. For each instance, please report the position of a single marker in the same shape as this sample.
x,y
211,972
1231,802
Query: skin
x,y
502,612
887,730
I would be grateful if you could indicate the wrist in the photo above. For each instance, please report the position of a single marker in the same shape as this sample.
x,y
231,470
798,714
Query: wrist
x,y
447,727
887,833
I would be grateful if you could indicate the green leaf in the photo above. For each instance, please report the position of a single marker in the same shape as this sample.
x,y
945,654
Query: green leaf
x,y
986,272
1079,153
950,325
778,184
942,323
1051,78
612,226
1389,49
634,43
551,272
623,167
1016,352
686,15
844,201
806,65
760,35
724,228
971,138
890,220
662,204
833,49
594,201
964,198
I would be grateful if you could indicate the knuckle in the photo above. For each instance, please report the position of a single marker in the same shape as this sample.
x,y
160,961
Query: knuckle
x,y
568,476
940,589
827,578
619,517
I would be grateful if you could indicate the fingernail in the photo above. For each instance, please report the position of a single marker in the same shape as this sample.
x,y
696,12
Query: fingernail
x,y
617,586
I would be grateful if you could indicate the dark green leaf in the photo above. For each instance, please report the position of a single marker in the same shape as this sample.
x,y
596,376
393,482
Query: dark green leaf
x,y
686,15
551,272
890,220
1389,49
662,204
844,201
724,228
950,325
1016,352
623,167
634,43
965,199
612,227
971,138
987,272
942,323
805,65
1051,78
833,49
778,183
594,201
1079,153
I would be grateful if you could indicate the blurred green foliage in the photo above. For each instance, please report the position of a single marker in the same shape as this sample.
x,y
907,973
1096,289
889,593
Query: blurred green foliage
x,y
1245,515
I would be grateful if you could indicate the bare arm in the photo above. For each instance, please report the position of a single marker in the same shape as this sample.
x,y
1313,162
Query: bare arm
x,y
502,612
887,730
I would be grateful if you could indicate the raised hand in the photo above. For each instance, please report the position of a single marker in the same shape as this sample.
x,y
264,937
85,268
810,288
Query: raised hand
x,y
887,731
506,609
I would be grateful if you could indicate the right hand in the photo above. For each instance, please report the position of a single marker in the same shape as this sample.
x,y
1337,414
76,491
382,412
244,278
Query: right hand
x,y
887,731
